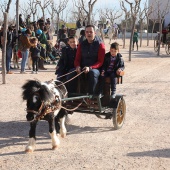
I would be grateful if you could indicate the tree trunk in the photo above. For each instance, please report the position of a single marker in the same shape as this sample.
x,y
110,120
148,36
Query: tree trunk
x,y
153,26
58,25
141,27
124,35
17,19
147,32
4,48
131,38
160,35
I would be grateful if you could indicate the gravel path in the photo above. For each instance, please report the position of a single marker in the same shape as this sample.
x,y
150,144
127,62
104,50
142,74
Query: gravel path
x,y
91,143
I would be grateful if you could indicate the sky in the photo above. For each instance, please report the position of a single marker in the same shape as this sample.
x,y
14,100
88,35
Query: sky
x,y
111,4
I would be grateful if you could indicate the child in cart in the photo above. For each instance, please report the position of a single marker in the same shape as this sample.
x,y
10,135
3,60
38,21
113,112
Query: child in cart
x,y
112,67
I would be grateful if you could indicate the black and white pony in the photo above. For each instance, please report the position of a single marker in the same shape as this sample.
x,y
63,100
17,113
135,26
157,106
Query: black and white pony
x,y
43,101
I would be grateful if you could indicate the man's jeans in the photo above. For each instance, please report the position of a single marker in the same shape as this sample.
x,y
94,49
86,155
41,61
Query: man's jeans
x,y
24,59
93,76
8,57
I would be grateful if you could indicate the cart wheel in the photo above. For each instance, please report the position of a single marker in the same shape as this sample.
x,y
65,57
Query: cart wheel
x,y
156,44
119,114
167,49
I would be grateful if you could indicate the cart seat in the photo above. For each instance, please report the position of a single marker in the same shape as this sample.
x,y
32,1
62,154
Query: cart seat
x,y
119,78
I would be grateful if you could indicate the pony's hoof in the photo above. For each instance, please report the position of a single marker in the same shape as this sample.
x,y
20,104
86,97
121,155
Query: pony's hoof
x,y
63,135
54,147
29,151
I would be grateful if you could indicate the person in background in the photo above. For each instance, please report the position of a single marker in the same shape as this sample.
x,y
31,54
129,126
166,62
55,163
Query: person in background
x,y
78,24
43,40
9,47
85,22
28,20
135,39
21,22
112,67
35,55
24,46
164,33
82,36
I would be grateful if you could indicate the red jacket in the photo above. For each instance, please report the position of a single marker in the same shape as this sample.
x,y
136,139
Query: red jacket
x,y
100,56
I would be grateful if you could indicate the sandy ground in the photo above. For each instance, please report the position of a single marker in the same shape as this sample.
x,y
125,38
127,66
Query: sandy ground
x,y
143,143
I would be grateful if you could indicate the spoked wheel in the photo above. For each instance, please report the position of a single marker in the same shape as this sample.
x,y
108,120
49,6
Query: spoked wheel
x,y
119,114
167,48
156,44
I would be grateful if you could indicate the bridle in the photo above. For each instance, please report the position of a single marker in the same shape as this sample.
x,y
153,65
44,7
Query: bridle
x,y
44,109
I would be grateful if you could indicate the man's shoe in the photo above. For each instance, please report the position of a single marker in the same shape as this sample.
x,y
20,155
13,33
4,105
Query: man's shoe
x,y
11,67
113,95
100,95
9,72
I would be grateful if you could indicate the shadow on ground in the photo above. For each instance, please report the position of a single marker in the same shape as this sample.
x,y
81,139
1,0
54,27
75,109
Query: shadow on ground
x,y
164,153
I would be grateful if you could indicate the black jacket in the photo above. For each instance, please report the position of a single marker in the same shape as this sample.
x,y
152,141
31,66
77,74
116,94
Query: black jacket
x,y
119,62
67,58
35,51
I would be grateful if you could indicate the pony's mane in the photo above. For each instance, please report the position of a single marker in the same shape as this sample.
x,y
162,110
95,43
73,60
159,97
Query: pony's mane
x,y
35,86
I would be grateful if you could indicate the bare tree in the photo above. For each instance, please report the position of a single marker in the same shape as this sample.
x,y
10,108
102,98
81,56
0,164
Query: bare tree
x,y
134,9
33,7
161,15
25,10
3,6
111,14
43,5
148,12
127,13
58,8
5,41
88,8
141,21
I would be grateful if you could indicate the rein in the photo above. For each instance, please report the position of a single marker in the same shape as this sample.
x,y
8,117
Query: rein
x,y
66,74
73,108
72,78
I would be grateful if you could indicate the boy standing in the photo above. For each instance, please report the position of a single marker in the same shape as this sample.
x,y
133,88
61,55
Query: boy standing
x,y
35,55
112,67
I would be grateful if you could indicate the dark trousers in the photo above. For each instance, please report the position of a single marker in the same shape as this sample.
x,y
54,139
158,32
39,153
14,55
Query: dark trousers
x,y
93,76
8,57
113,81
136,44
35,63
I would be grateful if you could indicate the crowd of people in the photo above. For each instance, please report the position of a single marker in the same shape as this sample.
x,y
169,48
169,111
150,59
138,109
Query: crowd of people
x,y
32,36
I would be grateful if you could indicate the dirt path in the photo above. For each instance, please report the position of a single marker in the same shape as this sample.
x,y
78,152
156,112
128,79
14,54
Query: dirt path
x,y
142,143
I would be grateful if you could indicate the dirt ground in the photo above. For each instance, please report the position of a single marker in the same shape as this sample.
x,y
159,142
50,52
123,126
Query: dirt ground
x,y
143,143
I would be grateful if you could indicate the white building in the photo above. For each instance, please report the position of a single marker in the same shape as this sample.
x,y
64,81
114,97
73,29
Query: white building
x,y
163,6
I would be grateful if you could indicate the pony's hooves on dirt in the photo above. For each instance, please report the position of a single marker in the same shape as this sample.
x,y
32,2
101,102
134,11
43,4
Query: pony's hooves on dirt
x,y
54,147
63,135
29,151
